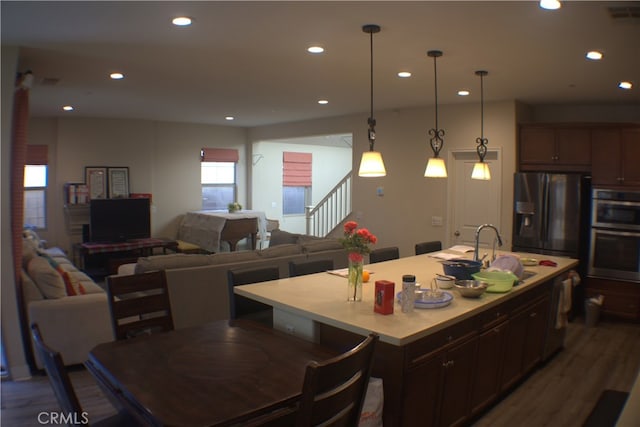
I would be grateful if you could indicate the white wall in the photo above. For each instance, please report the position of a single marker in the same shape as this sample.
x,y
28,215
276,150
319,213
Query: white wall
x,y
329,165
400,217
163,159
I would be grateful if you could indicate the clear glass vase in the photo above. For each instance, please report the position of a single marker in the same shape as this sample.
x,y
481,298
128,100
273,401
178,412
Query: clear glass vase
x,y
354,288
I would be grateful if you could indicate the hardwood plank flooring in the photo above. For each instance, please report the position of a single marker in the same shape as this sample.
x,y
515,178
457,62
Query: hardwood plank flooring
x,y
561,393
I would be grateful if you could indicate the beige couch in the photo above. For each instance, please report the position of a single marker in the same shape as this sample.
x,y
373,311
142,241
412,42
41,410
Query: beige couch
x,y
71,310
198,283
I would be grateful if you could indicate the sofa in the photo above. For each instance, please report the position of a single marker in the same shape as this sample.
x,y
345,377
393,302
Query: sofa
x,y
71,310
197,283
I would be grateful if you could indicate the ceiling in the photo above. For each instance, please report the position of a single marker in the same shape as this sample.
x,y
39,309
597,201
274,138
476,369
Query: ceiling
x,y
249,59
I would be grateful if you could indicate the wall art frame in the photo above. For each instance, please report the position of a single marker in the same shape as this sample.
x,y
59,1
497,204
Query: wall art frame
x,y
96,179
118,182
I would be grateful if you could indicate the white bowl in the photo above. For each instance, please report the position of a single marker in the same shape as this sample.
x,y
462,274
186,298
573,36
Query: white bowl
x,y
445,282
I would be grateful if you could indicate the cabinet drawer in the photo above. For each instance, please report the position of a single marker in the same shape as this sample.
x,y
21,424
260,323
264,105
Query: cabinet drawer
x,y
419,351
617,303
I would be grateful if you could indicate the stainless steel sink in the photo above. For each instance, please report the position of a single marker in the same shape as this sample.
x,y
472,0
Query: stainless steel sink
x,y
527,274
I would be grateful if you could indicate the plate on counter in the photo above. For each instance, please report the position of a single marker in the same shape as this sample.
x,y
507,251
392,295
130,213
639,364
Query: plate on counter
x,y
422,301
529,261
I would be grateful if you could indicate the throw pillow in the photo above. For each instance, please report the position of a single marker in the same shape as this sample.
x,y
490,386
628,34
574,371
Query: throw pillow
x,y
30,291
279,237
281,250
46,278
317,245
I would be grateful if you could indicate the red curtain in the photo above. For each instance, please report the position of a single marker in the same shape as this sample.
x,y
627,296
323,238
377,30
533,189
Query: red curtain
x,y
296,169
18,159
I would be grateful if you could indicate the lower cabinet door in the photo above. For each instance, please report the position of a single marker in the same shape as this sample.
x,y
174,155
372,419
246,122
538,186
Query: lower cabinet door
x,y
514,349
456,391
423,386
537,322
488,363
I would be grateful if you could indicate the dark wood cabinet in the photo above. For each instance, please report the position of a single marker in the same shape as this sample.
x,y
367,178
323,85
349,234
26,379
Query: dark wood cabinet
x,y
621,299
486,379
437,390
616,150
525,337
554,148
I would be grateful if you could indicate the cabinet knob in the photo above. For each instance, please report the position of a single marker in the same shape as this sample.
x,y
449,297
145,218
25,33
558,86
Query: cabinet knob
x,y
449,338
534,314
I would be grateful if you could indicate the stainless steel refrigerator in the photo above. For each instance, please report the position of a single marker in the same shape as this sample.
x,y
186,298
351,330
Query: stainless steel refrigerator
x,y
551,214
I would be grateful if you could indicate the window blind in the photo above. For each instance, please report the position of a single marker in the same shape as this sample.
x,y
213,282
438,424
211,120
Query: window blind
x,y
37,155
219,155
296,169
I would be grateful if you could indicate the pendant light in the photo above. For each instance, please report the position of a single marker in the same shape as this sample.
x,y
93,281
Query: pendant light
x,y
435,166
371,164
481,169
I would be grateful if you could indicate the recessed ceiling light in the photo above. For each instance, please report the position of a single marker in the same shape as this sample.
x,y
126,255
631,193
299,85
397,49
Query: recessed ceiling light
x,y
625,85
315,49
67,108
594,55
323,101
181,21
404,74
550,4
229,118
116,76
463,92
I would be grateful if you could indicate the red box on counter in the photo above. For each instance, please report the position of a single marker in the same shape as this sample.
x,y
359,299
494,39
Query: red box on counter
x,y
384,297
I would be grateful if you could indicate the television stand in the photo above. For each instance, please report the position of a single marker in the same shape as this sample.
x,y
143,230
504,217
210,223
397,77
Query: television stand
x,y
99,255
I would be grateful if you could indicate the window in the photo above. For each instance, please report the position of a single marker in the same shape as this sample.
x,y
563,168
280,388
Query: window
x,y
35,196
35,187
296,182
218,177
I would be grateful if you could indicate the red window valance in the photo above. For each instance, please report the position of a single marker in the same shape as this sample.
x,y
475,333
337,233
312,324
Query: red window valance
x,y
296,169
37,155
219,155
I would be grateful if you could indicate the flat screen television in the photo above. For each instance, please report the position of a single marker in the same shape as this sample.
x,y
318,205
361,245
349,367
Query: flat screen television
x,y
119,220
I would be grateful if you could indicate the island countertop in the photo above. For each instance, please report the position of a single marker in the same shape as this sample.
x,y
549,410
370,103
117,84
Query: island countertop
x,y
322,297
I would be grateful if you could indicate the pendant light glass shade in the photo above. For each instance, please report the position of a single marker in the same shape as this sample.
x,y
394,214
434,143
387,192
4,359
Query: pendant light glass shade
x,y
371,164
436,167
481,168
481,171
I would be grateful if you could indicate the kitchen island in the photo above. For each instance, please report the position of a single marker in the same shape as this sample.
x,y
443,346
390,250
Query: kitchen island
x,y
440,366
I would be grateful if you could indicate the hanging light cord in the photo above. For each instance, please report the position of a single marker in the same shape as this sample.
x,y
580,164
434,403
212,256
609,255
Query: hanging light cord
x,y
371,121
482,141
437,135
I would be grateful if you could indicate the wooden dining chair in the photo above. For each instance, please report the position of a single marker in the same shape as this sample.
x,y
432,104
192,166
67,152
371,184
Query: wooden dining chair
x,y
426,247
299,268
384,254
139,304
246,308
63,388
333,391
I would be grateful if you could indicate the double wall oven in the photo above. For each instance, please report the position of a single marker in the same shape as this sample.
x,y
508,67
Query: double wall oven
x,y
615,235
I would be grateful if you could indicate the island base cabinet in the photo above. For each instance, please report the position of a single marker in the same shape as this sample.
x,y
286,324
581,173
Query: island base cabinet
x,y
488,367
437,391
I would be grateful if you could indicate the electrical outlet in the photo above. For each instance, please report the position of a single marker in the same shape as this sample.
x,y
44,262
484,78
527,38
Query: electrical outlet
x,y
290,329
436,221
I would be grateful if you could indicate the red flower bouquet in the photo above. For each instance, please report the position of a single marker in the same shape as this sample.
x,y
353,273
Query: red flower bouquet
x,y
356,241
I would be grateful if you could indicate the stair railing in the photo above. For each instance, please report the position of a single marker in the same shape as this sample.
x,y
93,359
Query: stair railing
x,y
331,210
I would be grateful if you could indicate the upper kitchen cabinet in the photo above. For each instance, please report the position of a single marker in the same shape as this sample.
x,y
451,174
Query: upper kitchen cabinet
x,y
555,148
616,154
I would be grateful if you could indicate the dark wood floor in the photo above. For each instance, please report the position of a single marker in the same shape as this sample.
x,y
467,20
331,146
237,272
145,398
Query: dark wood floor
x,y
562,393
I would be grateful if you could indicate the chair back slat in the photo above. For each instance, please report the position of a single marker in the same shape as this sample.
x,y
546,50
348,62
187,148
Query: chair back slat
x,y
334,390
384,254
427,247
139,303
300,268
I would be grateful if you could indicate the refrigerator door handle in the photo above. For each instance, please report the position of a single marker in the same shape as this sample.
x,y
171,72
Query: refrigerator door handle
x,y
544,229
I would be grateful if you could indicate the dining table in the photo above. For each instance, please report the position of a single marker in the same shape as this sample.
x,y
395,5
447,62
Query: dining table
x,y
221,373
